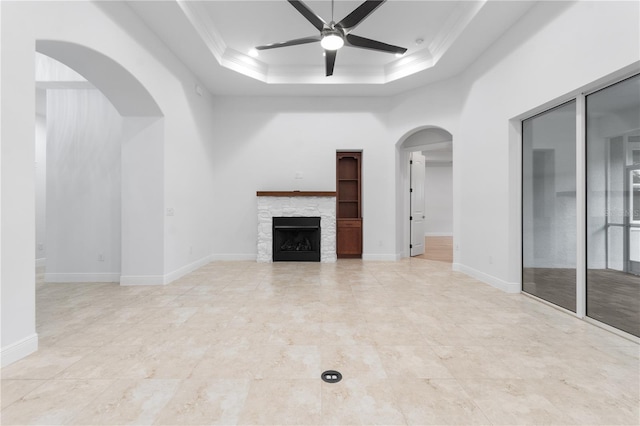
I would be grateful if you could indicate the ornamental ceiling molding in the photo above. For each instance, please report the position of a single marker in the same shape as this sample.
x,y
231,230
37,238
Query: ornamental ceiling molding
x,y
421,60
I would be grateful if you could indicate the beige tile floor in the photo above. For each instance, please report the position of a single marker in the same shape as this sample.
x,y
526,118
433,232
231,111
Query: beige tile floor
x,y
245,343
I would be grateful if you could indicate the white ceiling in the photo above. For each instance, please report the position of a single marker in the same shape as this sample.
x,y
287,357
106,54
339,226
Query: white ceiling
x,y
247,28
213,39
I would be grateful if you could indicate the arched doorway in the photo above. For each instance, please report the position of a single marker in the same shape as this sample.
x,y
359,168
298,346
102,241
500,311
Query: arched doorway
x,y
435,146
134,234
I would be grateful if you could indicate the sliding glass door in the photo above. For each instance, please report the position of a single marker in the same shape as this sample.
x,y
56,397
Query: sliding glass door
x,y
613,205
609,291
549,205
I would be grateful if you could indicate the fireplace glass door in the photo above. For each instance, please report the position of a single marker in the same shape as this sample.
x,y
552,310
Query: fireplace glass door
x,y
296,239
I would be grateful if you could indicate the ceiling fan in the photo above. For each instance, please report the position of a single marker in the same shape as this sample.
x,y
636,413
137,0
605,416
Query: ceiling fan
x,y
335,35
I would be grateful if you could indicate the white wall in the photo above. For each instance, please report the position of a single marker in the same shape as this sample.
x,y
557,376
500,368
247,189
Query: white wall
x,y
264,142
215,155
183,145
49,73
41,176
142,193
18,191
435,105
438,195
84,133
536,63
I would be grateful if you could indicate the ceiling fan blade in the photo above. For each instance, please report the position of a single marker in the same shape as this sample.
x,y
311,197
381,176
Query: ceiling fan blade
x,y
353,19
365,43
294,42
315,20
330,61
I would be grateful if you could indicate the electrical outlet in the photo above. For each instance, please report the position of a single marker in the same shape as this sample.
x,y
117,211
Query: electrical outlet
x,y
101,257
40,247
490,260
170,211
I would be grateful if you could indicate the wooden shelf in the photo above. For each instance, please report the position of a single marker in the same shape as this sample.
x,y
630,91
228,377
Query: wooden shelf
x,y
349,204
296,193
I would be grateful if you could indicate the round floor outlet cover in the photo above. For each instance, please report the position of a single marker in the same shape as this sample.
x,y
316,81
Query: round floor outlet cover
x,y
331,376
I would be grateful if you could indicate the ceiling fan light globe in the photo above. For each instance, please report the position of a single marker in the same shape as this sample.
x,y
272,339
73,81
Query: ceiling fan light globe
x,y
332,42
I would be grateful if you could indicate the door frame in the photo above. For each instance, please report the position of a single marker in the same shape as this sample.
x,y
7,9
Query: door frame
x,y
403,230
515,171
411,196
630,266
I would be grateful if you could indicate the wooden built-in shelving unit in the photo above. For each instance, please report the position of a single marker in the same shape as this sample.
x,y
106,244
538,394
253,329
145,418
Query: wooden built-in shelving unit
x,y
349,204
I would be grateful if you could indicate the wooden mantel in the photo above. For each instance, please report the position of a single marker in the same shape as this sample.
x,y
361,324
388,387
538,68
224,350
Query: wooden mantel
x,y
296,193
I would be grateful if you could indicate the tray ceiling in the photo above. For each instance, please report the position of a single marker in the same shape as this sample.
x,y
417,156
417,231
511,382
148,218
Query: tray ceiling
x,y
214,39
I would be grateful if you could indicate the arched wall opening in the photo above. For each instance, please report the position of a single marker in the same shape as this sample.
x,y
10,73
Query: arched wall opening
x,y
126,166
123,89
437,144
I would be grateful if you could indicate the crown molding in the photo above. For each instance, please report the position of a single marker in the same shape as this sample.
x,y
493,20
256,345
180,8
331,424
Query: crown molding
x,y
199,20
453,27
405,66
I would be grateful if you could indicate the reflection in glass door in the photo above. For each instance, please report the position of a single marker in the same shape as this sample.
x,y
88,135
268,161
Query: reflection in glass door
x,y
613,205
549,206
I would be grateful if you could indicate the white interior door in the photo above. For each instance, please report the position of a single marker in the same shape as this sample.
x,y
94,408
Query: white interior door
x,y
416,165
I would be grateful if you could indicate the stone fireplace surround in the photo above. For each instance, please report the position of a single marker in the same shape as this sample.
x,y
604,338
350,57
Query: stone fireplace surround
x,y
297,204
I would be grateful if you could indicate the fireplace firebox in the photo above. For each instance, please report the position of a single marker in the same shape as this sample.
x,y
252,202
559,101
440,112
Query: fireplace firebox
x,y
296,239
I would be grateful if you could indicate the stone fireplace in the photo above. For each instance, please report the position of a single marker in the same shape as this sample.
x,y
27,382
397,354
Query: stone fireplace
x,y
310,207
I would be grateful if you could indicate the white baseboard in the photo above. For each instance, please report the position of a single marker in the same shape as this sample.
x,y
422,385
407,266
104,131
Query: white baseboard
x,y
41,262
18,350
438,234
127,280
181,272
385,257
388,257
96,277
505,286
234,257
